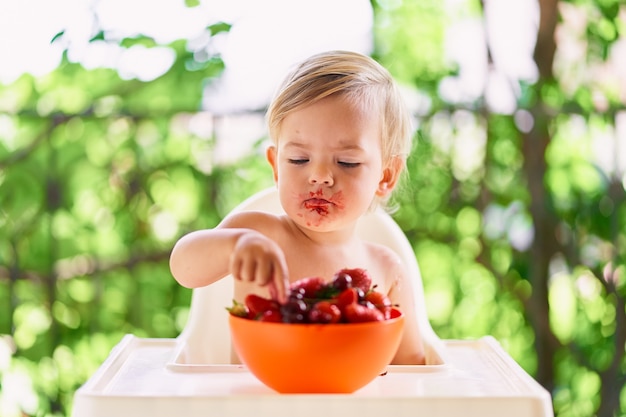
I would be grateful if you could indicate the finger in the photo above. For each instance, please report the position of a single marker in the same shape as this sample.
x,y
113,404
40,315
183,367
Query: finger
x,y
280,283
269,281
242,270
273,292
264,274
248,271
235,268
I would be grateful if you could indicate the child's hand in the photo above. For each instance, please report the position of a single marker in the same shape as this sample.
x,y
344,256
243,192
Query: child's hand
x,y
256,258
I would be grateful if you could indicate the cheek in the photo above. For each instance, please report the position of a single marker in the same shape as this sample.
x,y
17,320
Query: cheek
x,y
285,171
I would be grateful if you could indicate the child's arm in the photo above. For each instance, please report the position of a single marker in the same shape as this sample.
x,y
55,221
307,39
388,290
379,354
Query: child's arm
x,y
205,256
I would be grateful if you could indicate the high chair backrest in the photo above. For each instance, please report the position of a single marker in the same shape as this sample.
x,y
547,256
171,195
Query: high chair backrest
x,y
206,336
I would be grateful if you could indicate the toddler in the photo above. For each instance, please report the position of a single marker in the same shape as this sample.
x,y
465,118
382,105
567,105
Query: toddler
x,y
340,137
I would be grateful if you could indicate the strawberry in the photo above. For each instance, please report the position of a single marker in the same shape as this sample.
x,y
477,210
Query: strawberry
x,y
324,312
341,280
258,305
380,301
310,286
346,297
360,313
273,316
359,277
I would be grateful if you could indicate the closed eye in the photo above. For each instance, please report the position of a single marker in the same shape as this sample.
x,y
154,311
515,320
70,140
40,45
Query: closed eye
x,y
298,161
349,164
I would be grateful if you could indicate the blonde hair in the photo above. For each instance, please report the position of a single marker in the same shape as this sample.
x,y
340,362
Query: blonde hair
x,y
355,76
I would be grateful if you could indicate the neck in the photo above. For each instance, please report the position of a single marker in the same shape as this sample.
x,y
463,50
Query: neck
x,y
337,237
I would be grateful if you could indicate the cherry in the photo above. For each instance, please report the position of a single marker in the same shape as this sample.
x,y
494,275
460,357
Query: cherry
x,y
342,281
294,311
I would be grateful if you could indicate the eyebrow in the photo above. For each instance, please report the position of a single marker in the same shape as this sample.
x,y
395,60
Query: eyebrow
x,y
346,147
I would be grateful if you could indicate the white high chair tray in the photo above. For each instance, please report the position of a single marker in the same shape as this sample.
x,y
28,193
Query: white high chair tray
x,y
478,379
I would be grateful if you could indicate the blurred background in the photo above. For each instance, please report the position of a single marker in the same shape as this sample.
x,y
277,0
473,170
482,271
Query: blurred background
x,y
125,124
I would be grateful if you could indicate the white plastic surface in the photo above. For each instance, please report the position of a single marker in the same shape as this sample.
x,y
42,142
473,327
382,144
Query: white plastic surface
x,y
480,380
192,375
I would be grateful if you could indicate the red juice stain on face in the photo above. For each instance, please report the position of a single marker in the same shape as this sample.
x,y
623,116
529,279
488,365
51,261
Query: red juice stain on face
x,y
315,201
320,206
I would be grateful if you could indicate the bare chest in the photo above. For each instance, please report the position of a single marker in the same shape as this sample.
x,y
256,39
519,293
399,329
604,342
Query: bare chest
x,y
328,261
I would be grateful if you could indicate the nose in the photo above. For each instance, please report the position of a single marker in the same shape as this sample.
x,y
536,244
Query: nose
x,y
320,174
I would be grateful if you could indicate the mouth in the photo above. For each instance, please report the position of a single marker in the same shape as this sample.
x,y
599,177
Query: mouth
x,y
319,205
317,202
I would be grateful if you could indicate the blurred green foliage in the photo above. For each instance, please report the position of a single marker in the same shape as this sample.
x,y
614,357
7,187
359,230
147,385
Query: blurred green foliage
x,y
99,176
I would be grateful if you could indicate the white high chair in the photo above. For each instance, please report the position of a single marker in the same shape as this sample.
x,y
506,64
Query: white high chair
x,y
191,375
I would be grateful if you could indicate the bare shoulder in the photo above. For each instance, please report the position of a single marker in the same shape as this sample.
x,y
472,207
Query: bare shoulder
x,y
386,263
257,220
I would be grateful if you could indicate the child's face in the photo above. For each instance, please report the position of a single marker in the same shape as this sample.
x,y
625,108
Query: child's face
x,y
328,163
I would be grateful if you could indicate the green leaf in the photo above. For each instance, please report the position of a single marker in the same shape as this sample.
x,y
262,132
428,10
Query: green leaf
x,y
219,27
138,40
98,36
57,36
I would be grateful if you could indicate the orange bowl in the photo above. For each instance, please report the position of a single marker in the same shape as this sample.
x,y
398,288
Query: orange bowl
x,y
316,358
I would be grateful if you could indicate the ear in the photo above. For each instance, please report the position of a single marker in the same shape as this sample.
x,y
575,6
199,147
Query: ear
x,y
390,177
272,157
